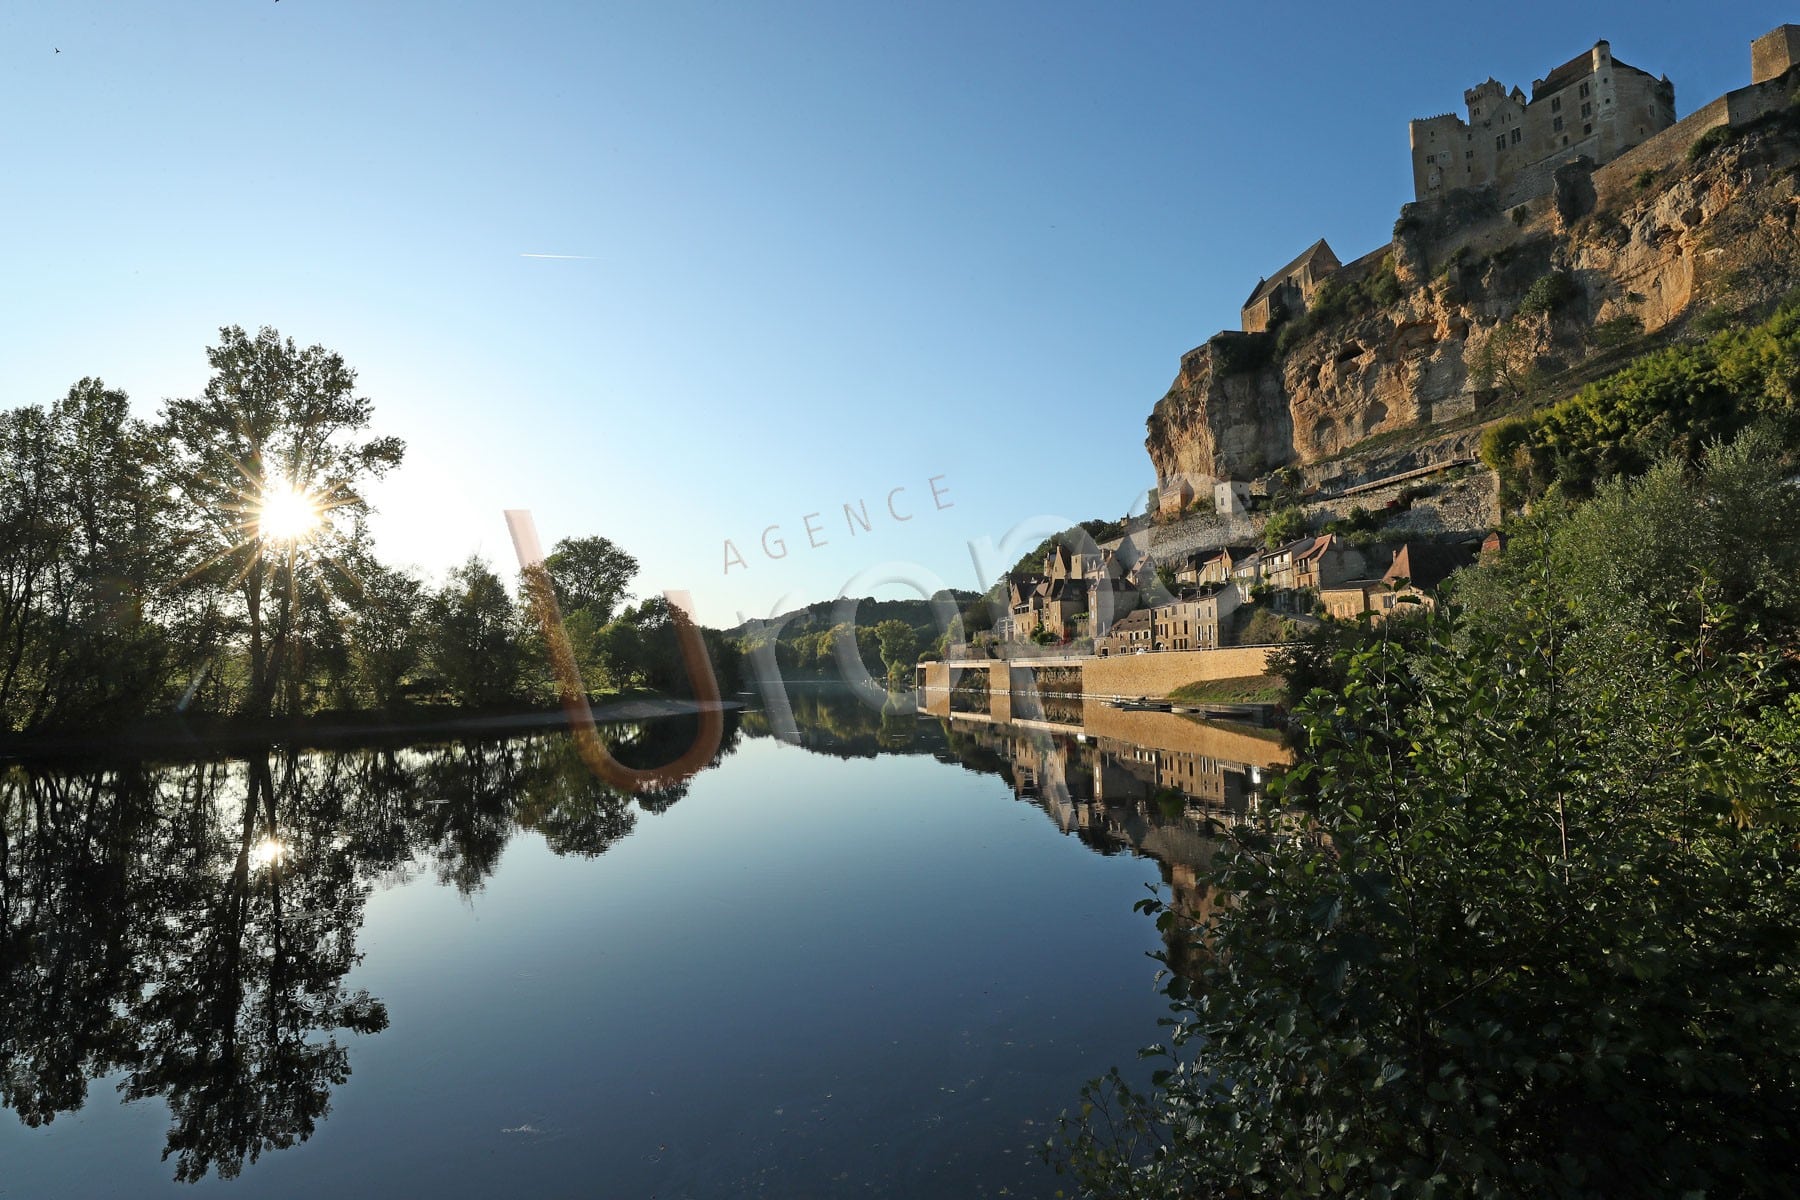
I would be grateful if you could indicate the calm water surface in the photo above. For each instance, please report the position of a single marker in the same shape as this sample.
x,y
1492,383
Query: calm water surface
x,y
877,963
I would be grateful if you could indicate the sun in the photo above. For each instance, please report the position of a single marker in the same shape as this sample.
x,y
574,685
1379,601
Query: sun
x,y
287,514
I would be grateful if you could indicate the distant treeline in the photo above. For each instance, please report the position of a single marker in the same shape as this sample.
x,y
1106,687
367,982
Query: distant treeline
x,y
217,560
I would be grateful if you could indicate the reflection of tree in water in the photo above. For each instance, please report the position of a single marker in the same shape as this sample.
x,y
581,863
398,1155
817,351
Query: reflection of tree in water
x,y
189,928
259,912
834,720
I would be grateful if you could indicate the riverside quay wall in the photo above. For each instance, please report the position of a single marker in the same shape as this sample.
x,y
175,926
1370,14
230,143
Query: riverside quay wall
x,y
1120,675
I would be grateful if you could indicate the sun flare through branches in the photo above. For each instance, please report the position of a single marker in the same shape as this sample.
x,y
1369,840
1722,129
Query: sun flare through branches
x,y
286,513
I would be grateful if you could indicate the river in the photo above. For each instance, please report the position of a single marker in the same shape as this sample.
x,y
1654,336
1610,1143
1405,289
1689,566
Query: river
x,y
875,957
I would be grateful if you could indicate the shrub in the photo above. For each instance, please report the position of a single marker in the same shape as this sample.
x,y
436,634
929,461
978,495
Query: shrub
x,y
1285,524
1548,293
1505,941
1645,178
1619,331
1712,139
1521,214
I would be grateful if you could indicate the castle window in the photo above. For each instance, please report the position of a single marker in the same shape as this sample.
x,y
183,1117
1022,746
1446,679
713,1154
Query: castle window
x,y
1587,129
1556,124
1468,154
1587,110
1556,104
1584,89
1516,135
1500,142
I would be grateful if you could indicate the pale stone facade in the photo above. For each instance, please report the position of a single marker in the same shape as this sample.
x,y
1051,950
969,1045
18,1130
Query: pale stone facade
x,y
1194,623
1774,53
1289,291
1592,106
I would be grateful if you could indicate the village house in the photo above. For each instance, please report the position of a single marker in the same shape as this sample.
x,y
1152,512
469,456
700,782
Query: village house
x,y
1410,583
1416,573
1195,622
1330,559
1129,635
1247,572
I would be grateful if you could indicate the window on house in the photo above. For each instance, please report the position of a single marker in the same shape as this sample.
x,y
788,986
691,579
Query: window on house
x,y
1500,142
1584,89
1516,134
1587,110
1556,124
1556,104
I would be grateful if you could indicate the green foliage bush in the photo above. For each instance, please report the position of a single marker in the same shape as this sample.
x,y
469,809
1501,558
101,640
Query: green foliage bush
x,y
1520,920
1285,524
1549,293
1618,331
1712,139
1674,400
1337,302
1239,353
1522,941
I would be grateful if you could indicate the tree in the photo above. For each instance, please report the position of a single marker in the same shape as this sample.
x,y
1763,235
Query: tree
x,y
85,568
1506,361
590,573
385,641
269,462
473,637
1522,939
1285,524
899,646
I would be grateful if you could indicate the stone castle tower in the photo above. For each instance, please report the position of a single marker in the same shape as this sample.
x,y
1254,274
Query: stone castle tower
x,y
1592,105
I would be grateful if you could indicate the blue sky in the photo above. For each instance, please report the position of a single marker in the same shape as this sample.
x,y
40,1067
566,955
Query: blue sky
x,y
825,251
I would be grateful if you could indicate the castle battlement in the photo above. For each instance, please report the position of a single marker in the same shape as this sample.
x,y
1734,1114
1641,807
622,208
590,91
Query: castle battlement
x,y
1594,105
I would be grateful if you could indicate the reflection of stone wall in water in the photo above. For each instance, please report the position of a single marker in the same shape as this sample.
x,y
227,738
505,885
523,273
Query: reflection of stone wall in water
x,y
970,692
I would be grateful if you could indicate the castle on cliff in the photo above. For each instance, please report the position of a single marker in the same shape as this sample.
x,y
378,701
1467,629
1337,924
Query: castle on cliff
x,y
1591,137
1593,105
1593,110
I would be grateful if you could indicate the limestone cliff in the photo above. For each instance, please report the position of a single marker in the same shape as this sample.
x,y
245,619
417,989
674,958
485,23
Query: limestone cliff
x,y
1666,242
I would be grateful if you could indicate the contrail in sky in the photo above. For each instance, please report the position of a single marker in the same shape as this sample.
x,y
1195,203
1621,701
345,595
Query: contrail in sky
x,y
586,256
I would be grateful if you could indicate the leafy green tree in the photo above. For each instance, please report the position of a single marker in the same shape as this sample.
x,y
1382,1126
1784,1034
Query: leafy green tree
x,y
590,573
269,463
899,646
87,580
1520,941
385,641
1506,362
473,637
1285,524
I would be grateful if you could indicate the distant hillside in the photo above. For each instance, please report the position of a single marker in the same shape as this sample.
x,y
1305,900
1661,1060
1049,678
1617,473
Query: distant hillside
x,y
808,641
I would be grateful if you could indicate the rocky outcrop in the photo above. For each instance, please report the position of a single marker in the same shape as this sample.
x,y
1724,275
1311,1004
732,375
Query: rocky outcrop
x,y
1646,250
